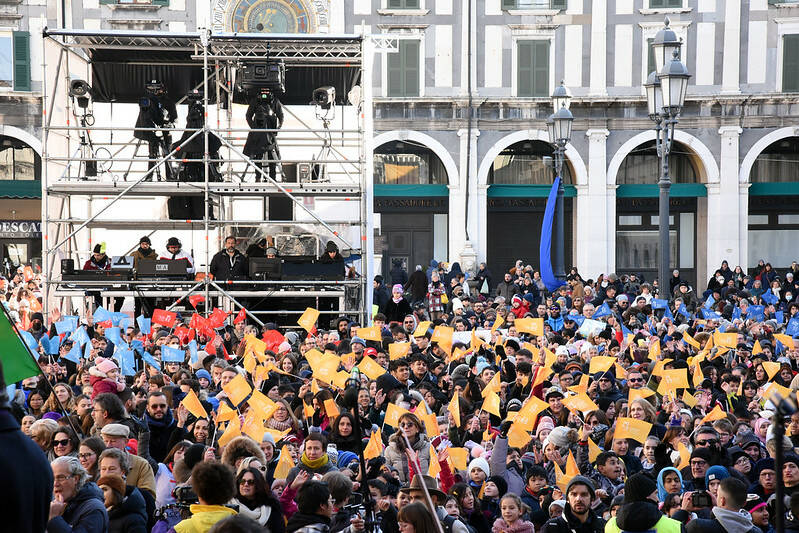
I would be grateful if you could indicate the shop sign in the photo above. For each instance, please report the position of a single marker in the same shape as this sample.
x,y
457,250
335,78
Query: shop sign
x,y
434,204
20,229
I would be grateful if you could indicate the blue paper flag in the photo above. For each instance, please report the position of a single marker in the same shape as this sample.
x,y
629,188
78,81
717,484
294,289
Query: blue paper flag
x,y
53,345
667,313
80,336
74,354
684,311
756,312
45,342
87,351
602,311
769,297
137,346
126,362
117,318
710,315
659,303
67,325
172,355
193,351
625,331
124,324
793,327
113,335
736,313
709,302
30,341
578,319
144,324
150,360
101,314
780,316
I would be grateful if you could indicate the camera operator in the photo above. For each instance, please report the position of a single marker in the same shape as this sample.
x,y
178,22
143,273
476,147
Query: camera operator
x,y
347,508
727,515
314,509
215,485
264,112
194,148
156,111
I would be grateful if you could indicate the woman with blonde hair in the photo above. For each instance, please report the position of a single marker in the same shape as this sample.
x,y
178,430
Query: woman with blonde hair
x,y
61,393
283,418
395,453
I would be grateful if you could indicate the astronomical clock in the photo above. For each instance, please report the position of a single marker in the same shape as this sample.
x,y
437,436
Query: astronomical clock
x,y
270,16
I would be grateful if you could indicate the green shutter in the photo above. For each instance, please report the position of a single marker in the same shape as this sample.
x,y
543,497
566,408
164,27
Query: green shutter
x,y
411,68
411,4
650,57
394,68
656,3
790,63
395,4
541,69
558,4
22,61
525,68
673,3
508,4
160,2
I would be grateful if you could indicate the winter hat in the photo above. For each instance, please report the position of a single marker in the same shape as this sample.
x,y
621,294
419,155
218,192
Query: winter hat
x,y
753,503
396,288
764,464
52,415
482,464
545,423
514,404
145,239
581,480
105,365
268,437
115,430
203,373
557,503
501,484
345,458
37,316
715,472
701,453
639,487
791,458
116,483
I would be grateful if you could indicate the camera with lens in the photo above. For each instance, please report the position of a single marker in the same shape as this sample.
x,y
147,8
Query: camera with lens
x,y
701,499
355,506
185,495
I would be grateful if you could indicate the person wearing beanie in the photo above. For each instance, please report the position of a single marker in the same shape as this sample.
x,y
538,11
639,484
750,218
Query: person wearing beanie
x,y
204,378
639,510
397,307
495,489
765,475
478,472
578,516
105,377
125,504
759,512
699,464
713,477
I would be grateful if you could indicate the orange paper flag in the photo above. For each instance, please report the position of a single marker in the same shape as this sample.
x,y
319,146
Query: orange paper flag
x,y
434,468
454,408
518,437
526,417
231,432
308,319
393,412
698,376
253,426
237,389
308,410
284,464
493,386
630,428
690,340
442,334
430,422
654,350
491,404
571,466
593,450
497,323
192,403
534,326
673,379
459,458
756,349
685,455
398,350
580,402
640,393
225,413
771,368
331,409
370,334
374,447
370,367
421,329
716,414
600,363
688,399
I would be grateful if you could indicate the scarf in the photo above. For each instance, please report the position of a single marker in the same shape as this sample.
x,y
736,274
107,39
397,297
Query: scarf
x,y
315,464
280,426
396,288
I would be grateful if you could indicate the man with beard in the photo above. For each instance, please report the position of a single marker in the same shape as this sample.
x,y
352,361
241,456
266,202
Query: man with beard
x,y
640,512
555,321
577,515
144,251
161,423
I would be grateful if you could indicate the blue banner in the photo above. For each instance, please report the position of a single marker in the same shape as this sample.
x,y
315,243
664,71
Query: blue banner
x,y
545,248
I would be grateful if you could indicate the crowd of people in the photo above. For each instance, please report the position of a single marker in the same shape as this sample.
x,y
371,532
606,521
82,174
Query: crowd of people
x,y
469,403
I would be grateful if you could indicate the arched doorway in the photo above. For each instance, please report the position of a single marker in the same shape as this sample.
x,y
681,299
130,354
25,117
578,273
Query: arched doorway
x,y
773,225
20,203
637,218
412,198
519,181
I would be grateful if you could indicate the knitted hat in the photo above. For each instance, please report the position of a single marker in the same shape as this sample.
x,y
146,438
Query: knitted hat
x,y
501,484
480,463
105,365
345,458
764,464
701,453
545,423
268,437
639,487
581,480
753,503
791,458
203,373
116,483
716,472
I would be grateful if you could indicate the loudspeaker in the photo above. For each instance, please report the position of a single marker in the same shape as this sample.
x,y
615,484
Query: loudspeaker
x,y
280,207
67,266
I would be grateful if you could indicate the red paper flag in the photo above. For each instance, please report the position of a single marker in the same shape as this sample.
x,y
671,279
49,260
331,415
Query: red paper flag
x,y
197,321
182,333
106,324
273,338
195,299
241,317
28,271
165,318
217,318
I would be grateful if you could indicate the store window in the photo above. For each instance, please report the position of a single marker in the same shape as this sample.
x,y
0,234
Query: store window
x,y
642,165
778,163
526,163
408,163
18,161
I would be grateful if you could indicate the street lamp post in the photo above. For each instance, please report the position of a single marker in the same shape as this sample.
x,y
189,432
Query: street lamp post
x,y
665,97
559,127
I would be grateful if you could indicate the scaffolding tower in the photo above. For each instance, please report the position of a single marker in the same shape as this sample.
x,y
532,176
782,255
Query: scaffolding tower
x,y
91,169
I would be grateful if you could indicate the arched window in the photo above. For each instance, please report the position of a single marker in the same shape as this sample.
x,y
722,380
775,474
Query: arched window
x,y
778,163
18,161
408,163
526,163
641,166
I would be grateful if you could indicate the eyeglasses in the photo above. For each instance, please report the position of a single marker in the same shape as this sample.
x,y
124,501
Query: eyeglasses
x,y
636,380
247,482
742,461
707,442
85,455
60,478
158,406
698,463
62,442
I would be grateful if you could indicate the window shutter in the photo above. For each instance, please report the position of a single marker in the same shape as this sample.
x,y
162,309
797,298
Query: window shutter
x,y
22,60
411,68
160,2
674,3
524,63
541,69
394,68
656,3
411,4
508,4
558,4
395,4
650,57
790,63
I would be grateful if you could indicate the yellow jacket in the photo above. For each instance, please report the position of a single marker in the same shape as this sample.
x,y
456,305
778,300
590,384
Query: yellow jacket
x,y
203,518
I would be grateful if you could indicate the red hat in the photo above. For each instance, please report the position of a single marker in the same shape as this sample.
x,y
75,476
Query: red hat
x,y
370,352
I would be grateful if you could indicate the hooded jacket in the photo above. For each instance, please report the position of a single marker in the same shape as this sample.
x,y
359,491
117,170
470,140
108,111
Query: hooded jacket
x,y
203,517
642,516
723,521
662,494
129,516
568,523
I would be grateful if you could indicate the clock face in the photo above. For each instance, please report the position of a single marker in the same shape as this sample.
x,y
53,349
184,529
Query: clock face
x,y
271,16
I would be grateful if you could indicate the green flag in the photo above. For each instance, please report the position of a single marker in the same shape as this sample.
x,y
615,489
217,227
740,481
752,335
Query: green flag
x,y
15,356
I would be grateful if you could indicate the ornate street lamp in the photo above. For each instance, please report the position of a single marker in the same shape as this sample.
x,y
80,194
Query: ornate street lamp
x,y
559,127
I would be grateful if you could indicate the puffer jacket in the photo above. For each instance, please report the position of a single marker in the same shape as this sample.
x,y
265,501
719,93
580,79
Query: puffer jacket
x,y
395,455
85,512
129,516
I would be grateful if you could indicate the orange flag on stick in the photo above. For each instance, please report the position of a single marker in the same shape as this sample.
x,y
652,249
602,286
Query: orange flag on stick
x,y
192,403
331,409
237,389
393,412
491,404
308,319
716,414
630,428
284,464
374,448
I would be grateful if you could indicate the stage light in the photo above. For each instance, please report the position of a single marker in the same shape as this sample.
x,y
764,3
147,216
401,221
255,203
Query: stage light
x,y
324,97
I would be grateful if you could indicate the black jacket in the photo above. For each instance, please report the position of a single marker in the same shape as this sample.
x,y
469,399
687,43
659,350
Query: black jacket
x,y
85,512
224,268
130,515
568,523
27,486
712,525
160,433
301,520
638,516
396,312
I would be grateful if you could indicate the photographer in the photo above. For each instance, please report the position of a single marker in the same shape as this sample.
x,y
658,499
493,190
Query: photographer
x,y
264,112
314,509
215,485
727,515
195,147
345,517
156,111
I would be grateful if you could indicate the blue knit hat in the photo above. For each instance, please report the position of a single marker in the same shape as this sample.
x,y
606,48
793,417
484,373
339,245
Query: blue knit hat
x,y
345,458
203,373
716,472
